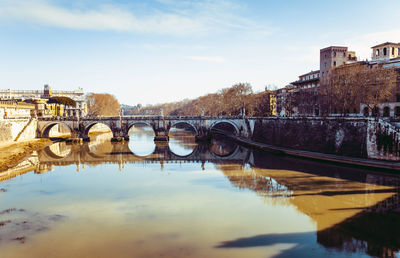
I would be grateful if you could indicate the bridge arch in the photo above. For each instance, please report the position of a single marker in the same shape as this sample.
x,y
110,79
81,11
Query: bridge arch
x,y
132,124
90,126
184,123
45,131
234,126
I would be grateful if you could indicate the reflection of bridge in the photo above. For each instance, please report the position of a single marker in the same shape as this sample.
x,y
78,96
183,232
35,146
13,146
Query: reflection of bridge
x,y
107,152
161,125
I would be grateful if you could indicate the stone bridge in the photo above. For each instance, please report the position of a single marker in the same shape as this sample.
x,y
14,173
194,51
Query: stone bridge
x,y
161,125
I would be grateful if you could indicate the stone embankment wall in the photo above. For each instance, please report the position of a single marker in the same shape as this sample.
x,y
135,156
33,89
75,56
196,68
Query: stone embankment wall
x,y
354,137
383,141
12,130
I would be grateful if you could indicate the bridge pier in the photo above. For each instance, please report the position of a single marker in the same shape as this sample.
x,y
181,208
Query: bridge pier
x,y
203,134
161,135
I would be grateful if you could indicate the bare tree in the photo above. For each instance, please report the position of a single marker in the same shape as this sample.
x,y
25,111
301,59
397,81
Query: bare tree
x,y
102,105
379,86
343,88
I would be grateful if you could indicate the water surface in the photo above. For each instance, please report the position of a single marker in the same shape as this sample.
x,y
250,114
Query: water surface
x,y
182,199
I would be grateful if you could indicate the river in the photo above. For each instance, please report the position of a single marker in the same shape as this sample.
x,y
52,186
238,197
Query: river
x,y
182,199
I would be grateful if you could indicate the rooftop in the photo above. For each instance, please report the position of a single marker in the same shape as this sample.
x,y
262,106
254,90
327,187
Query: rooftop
x,y
386,43
333,47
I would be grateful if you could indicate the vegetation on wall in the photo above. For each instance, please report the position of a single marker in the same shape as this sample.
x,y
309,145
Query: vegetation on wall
x,y
63,101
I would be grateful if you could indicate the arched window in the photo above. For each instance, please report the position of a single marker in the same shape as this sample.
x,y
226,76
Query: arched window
x,y
397,111
392,51
366,111
384,51
386,111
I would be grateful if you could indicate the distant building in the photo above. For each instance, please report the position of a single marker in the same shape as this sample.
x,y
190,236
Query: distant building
x,y
335,56
77,95
15,109
285,105
306,94
385,51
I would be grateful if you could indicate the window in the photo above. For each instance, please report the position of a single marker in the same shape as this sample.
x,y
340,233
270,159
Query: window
x,y
397,111
366,111
344,54
384,51
334,63
392,51
386,111
377,52
334,53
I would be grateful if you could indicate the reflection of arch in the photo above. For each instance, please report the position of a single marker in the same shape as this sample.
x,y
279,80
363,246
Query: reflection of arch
x,y
237,130
140,123
46,130
185,123
227,156
49,151
87,129
183,156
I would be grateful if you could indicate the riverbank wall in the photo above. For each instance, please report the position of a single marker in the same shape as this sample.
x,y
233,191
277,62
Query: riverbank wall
x,y
351,137
16,130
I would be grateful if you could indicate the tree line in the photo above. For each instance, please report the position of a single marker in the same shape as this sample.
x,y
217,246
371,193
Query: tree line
x,y
230,101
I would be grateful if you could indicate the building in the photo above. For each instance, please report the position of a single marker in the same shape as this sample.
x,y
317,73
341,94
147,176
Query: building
x,y
385,51
334,56
285,105
15,109
77,95
306,94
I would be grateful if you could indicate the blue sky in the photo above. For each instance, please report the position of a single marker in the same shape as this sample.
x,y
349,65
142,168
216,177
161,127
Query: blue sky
x,y
167,50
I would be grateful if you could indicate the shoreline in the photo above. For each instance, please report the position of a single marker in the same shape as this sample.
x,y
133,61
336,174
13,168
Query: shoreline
x,y
320,157
11,154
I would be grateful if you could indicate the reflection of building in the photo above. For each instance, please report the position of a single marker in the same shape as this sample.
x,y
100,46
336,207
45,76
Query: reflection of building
x,y
52,109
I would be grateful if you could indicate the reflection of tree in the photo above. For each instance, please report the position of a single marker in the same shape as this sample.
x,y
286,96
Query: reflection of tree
x,y
249,179
185,138
222,147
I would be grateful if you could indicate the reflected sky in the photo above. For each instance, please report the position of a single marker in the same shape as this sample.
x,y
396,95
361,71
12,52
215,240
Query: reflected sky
x,y
241,204
141,140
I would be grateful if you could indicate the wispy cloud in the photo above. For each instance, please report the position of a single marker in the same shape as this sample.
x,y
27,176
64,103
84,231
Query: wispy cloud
x,y
211,59
176,18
